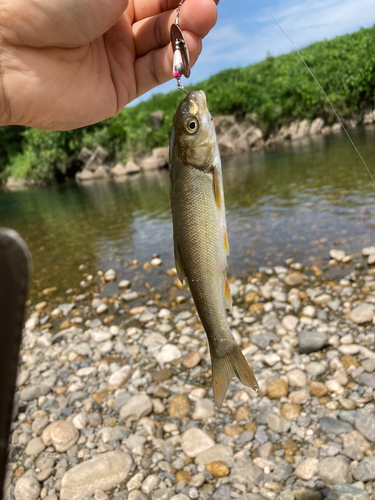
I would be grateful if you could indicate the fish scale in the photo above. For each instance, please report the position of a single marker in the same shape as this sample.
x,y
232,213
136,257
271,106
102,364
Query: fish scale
x,y
199,231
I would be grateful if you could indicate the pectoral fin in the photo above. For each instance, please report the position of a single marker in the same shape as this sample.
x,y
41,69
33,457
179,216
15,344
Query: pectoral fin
x,y
217,187
178,262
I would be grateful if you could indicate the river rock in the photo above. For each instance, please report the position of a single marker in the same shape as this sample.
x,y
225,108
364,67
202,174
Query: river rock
x,y
277,423
365,424
194,441
179,406
218,469
311,341
215,452
277,389
62,435
290,322
334,470
347,492
296,378
362,313
328,424
34,391
157,159
365,470
138,406
34,447
294,279
27,488
204,408
192,359
168,353
102,472
338,255
368,251
307,468
245,472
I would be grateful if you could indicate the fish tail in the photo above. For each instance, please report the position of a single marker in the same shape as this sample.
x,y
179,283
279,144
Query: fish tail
x,y
224,369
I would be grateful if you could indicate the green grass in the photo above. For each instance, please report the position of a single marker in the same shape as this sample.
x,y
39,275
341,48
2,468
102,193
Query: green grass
x,y
278,90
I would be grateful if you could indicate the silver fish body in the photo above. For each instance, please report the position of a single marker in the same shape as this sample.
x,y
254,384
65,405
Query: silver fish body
x,y
200,236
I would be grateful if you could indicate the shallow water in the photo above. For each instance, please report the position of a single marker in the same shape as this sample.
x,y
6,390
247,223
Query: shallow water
x,y
298,200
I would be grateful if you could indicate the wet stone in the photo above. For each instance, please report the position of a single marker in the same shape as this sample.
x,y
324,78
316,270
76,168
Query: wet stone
x,y
179,407
309,341
194,441
365,424
347,492
335,426
365,471
27,488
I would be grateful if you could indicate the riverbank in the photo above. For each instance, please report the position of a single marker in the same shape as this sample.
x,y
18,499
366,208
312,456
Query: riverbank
x,y
115,400
270,96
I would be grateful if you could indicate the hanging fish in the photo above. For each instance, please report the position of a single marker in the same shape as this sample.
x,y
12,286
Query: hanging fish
x,y
200,235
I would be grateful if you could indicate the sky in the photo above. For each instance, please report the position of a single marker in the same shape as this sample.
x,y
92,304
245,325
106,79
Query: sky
x,y
245,33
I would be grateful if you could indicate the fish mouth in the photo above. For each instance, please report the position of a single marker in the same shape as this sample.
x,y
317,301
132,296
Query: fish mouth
x,y
197,102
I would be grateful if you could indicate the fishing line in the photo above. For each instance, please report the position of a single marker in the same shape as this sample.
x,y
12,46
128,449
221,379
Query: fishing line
x,y
321,88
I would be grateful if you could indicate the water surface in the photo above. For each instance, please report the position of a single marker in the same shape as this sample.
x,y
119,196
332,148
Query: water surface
x,y
297,200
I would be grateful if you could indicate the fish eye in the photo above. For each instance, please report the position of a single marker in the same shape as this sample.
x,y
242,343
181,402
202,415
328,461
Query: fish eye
x,y
191,125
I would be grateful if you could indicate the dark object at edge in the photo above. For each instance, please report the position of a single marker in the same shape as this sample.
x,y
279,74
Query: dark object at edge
x,y
15,266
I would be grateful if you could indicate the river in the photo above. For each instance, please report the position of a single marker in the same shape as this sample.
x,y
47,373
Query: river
x,y
295,200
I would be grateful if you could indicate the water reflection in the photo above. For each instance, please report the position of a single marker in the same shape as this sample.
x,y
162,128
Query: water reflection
x,y
296,199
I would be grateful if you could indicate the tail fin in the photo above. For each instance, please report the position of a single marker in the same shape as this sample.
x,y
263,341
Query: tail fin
x,y
224,369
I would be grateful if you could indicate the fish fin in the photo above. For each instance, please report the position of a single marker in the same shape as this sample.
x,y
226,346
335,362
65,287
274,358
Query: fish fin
x,y
226,242
227,296
223,369
217,187
178,262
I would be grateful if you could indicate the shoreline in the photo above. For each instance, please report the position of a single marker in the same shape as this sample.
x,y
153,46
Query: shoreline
x,y
234,138
115,400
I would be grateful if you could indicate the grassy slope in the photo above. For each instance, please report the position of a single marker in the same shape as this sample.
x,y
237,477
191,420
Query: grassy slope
x,y
278,90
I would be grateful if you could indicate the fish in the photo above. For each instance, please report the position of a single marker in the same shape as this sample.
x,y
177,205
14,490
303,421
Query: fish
x,y
200,236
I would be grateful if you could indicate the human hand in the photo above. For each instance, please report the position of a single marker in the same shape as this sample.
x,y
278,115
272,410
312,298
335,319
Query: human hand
x,y
65,64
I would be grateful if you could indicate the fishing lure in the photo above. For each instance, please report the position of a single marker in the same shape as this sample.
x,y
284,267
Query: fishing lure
x,y
181,59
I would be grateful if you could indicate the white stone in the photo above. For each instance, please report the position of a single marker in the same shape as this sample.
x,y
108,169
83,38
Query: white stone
x,y
138,406
168,353
27,488
338,255
204,408
103,472
307,469
194,441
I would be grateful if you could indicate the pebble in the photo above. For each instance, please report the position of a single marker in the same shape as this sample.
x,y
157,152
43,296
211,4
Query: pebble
x,y
168,353
290,411
34,447
362,313
333,470
347,492
62,435
307,468
277,423
110,275
138,406
102,472
194,441
290,322
335,426
27,488
294,279
277,389
204,408
218,469
365,424
296,378
179,407
215,452
309,341
191,360
34,391
337,254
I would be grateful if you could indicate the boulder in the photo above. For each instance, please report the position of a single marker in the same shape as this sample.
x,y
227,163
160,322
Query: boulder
x,y
84,155
369,117
157,118
158,159
316,126
299,129
226,145
248,139
87,175
96,159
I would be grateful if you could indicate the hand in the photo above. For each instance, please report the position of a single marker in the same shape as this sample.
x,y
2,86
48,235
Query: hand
x,y
69,63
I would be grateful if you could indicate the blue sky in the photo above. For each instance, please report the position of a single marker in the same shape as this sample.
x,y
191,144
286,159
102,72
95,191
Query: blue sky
x,y
245,33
